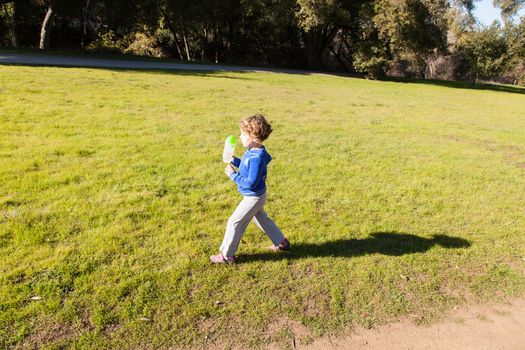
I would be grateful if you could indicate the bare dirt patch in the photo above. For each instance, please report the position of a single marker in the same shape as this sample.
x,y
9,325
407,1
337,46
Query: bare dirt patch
x,y
298,333
496,326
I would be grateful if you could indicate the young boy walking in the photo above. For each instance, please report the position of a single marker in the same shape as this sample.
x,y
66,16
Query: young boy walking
x,y
251,183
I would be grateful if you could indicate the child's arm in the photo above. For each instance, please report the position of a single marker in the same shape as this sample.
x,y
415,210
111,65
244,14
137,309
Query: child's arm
x,y
236,162
255,168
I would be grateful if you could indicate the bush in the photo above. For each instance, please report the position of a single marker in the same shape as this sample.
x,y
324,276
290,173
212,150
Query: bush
x,y
371,62
137,43
107,41
144,45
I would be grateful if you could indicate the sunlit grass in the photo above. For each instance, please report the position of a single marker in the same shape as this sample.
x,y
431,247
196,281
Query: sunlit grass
x,y
399,199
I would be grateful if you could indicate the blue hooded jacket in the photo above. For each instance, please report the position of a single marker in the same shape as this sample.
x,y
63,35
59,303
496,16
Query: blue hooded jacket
x,y
251,177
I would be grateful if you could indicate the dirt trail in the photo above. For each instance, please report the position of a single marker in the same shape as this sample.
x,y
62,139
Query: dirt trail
x,y
499,326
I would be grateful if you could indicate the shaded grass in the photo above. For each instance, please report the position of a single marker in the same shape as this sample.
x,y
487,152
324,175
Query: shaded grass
x,y
90,54
398,199
464,85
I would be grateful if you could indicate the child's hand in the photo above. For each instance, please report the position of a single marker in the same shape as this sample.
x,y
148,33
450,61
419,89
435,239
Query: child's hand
x,y
229,170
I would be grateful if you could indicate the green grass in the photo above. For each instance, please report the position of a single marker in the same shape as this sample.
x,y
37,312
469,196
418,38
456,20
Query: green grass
x,y
399,198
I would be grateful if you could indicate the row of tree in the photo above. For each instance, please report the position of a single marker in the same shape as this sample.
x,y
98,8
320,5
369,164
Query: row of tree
x,y
422,38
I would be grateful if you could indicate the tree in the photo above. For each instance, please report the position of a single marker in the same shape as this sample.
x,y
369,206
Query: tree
x,y
44,31
413,29
51,8
320,21
400,31
515,58
509,8
482,53
8,16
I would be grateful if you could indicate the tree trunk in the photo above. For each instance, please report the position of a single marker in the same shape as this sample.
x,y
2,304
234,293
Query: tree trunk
x,y
186,46
177,45
432,66
84,23
216,44
204,41
10,18
338,57
347,52
174,32
44,32
317,41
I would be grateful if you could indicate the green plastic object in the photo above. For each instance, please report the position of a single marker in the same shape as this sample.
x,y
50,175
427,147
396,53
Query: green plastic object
x,y
229,149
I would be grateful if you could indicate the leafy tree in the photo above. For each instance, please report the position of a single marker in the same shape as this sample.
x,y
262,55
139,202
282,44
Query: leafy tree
x,y
7,22
482,53
394,30
365,36
509,8
515,58
320,21
412,28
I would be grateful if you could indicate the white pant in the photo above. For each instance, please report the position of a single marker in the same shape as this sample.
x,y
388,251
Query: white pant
x,y
249,208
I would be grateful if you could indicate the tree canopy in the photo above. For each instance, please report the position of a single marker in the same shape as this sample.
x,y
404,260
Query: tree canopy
x,y
369,37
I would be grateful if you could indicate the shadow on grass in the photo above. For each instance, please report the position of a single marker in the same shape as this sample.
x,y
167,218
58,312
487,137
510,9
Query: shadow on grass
x,y
386,243
177,72
207,69
461,85
190,73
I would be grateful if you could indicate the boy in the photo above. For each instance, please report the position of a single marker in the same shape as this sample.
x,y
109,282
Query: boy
x,y
251,183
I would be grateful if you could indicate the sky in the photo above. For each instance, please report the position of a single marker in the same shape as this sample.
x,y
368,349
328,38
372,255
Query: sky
x,y
486,13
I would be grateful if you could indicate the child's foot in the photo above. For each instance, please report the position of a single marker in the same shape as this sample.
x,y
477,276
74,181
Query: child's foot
x,y
284,245
221,259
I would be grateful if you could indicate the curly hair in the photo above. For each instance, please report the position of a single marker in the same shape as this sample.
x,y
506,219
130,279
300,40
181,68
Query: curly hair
x,y
256,126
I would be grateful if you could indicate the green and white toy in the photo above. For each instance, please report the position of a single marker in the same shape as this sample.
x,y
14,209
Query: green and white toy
x,y
229,148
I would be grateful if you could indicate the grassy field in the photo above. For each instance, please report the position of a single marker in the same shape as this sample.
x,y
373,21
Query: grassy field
x,y
400,199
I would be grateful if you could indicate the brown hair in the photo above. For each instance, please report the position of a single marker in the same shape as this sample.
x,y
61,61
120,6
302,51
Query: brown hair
x,y
257,127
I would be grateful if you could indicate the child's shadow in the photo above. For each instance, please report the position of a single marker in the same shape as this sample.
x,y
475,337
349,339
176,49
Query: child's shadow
x,y
387,243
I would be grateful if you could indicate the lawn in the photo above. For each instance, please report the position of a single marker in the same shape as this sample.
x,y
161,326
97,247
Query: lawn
x,y
401,199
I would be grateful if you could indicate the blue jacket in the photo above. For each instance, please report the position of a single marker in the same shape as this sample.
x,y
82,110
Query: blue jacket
x,y
251,176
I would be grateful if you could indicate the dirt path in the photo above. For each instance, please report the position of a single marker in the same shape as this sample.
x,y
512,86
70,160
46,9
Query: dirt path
x,y
500,326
